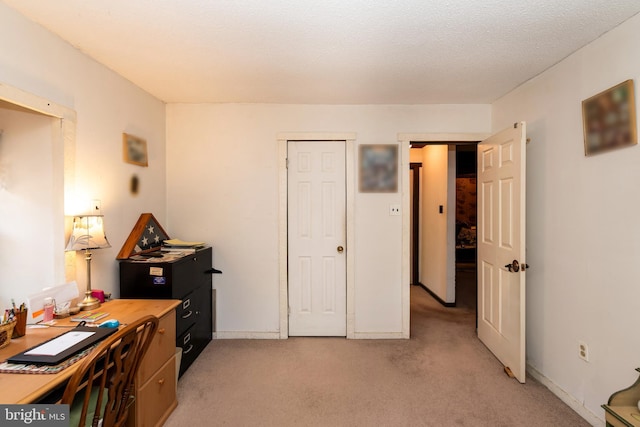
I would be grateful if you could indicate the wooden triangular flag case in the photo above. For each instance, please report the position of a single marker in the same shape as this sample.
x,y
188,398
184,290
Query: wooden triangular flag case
x,y
147,236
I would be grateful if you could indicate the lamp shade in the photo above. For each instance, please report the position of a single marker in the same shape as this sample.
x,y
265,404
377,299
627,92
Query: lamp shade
x,y
88,233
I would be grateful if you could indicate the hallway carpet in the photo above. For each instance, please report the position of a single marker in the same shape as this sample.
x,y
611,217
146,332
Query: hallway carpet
x,y
442,376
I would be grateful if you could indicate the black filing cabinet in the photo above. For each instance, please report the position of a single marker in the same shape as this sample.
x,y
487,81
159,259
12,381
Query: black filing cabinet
x,y
187,279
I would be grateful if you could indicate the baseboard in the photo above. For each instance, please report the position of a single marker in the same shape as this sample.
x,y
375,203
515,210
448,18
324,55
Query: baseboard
x,y
569,400
436,297
234,335
378,336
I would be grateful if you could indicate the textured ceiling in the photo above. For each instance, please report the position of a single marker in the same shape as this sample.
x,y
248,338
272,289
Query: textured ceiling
x,y
328,51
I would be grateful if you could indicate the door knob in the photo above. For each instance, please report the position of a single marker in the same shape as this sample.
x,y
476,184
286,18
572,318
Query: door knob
x,y
514,267
340,249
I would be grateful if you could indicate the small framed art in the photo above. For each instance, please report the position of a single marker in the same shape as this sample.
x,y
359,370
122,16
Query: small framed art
x,y
378,168
609,119
134,150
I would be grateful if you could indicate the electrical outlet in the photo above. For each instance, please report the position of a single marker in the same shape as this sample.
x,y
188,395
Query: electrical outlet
x,y
394,210
583,351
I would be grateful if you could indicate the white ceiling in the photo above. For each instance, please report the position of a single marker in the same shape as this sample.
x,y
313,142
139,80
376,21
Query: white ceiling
x,y
328,51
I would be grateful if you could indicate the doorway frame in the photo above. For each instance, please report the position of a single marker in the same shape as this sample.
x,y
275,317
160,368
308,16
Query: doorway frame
x,y
283,244
415,222
438,138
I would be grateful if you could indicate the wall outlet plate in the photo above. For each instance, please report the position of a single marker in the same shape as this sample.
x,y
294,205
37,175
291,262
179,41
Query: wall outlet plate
x,y
394,210
583,351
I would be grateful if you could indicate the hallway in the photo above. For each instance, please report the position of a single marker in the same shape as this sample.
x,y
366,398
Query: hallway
x,y
466,286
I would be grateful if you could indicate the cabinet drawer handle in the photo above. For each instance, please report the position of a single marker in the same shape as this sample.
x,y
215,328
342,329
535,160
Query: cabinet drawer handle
x,y
161,381
186,304
188,350
186,339
187,314
161,331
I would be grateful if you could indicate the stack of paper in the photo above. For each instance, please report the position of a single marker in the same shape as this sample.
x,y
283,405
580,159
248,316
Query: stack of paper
x,y
182,246
182,243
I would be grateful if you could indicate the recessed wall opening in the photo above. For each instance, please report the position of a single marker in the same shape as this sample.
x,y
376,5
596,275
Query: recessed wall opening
x,y
37,154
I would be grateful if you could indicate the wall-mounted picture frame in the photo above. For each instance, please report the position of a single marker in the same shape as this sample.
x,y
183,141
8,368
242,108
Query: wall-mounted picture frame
x,y
609,119
378,168
134,150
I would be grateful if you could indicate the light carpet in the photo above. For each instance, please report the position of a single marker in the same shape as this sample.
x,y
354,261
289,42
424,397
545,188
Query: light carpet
x,y
442,376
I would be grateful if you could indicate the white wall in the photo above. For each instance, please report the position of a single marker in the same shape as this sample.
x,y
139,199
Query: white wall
x,y
433,251
222,174
583,237
26,192
40,63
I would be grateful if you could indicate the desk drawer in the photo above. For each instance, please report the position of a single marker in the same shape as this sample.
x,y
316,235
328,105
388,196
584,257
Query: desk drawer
x,y
189,344
185,341
192,345
156,399
161,349
186,313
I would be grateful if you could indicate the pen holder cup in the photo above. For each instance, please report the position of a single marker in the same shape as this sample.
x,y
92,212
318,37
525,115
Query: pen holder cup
x,y
21,324
6,329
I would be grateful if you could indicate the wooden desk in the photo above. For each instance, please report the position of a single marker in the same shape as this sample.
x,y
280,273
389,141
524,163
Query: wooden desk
x,y
622,408
31,388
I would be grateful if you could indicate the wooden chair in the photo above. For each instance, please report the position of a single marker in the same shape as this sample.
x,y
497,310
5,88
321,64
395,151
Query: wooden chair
x,y
101,390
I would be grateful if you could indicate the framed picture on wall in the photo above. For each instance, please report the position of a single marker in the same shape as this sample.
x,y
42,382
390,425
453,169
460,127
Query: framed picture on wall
x,y
609,119
378,168
134,150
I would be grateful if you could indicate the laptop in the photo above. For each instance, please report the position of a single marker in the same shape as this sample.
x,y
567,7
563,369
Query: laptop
x,y
58,349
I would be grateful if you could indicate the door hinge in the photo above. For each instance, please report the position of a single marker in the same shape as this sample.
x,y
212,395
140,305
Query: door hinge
x,y
515,125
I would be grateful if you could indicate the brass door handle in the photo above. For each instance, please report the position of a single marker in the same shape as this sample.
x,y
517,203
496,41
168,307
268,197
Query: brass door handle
x,y
514,267
340,249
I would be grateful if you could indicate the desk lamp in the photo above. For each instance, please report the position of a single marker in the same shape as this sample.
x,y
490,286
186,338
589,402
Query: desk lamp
x,y
87,234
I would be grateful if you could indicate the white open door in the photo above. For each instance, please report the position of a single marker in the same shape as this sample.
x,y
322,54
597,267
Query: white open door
x,y
317,238
501,246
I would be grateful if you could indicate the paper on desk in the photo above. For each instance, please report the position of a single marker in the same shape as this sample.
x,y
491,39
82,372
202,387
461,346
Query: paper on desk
x,y
60,294
60,344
